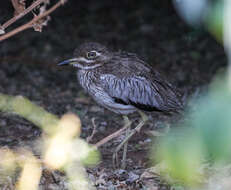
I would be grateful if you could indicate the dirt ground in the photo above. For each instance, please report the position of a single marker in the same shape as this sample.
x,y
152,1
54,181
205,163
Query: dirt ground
x,y
152,29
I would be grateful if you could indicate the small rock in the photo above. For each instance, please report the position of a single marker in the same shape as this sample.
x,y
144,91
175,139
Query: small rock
x,y
95,109
132,177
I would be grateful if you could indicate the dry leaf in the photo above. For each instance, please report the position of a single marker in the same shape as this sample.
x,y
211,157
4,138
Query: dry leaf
x,y
41,22
2,31
63,1
19,6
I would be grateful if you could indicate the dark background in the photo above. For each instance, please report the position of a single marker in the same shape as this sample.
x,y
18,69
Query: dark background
x,y
151,29
190,57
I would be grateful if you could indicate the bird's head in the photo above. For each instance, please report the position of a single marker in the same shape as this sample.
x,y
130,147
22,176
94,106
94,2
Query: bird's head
x,y
89,56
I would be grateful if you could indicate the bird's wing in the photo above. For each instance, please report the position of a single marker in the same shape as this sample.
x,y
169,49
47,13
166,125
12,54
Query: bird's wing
x,y
139,91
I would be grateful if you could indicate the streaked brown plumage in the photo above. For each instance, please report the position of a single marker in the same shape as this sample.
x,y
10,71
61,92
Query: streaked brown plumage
x,y
123,83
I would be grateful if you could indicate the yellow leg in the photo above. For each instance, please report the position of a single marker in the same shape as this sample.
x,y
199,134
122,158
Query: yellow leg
x,y
129,134
115,159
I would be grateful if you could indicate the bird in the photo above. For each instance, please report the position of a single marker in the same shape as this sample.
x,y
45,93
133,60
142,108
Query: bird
x,y
123,83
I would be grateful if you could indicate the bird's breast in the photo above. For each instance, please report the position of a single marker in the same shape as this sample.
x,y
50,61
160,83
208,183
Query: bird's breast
x,y
85,79
90,82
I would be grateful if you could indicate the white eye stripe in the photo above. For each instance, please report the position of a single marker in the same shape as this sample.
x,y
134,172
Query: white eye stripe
x,y
83,59
86,67
97,53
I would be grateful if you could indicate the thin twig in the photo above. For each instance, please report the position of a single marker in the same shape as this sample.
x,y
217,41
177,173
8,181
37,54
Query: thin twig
x,y
26,11
30,24
112,136
93,131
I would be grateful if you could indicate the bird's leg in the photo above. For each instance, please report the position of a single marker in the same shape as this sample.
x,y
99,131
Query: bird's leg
x,y
143,120
125,144
112,136
127,123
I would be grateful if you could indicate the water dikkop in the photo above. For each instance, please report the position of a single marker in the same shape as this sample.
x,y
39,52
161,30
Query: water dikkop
x,y
123,83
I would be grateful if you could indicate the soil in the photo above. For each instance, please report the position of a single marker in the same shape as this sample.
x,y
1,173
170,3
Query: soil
x,y
152,29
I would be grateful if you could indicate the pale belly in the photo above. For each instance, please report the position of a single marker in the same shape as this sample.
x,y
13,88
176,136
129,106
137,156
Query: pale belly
x,y
104,100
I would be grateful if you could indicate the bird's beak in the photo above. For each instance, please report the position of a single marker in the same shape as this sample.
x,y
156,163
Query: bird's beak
x,y
69,61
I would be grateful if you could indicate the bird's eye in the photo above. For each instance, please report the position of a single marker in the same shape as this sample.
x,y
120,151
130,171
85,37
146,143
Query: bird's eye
x,y
91,54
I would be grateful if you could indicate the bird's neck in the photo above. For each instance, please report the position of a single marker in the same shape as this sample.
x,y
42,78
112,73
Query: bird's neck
x,y
86,78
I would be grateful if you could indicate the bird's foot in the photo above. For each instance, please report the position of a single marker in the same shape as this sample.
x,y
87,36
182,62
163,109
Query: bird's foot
x,y
129,134
115,160
144,119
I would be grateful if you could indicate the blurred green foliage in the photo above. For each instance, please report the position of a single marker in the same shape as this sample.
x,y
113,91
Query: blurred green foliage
x,y
198,150
207,14
203,139
214,19
62,148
